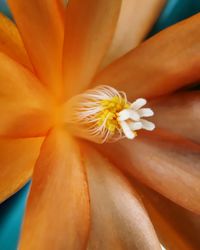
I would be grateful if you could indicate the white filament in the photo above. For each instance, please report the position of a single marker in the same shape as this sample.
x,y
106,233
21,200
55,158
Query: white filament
x,y
84,118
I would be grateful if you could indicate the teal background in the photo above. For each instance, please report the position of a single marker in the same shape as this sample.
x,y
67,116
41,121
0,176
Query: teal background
x,y
4,8
175,11
11,214
12,210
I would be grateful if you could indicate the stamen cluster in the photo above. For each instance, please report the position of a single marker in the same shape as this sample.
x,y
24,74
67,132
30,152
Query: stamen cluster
x,y
103,114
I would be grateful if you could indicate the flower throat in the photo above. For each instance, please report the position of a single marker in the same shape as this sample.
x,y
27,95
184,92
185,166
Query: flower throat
x,y
104,114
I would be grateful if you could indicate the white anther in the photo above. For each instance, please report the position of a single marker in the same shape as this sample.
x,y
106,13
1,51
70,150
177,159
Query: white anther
x,y
127,131
124,115
135,125
140,102
147,125
145,112
134,115
128,114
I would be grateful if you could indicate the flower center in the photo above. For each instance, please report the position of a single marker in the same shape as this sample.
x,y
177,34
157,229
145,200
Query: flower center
x,y
103,114
109,110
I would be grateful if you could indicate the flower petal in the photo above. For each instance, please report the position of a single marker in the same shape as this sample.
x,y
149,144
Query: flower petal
x,y
135,20
17,159
119,220
57,215
166,163
163,63
179,113
24,102
176,227
89,26
40,24
11,43
61,6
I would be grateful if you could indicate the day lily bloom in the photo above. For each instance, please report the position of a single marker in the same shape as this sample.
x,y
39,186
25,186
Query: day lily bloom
x,y
73,106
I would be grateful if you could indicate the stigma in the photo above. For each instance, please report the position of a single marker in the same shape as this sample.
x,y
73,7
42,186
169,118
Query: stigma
x,y
104,114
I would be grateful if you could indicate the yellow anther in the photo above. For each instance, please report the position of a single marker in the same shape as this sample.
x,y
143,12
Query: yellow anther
x,y
103,114
109,110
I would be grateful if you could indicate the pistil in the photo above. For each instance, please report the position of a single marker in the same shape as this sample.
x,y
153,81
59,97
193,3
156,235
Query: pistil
x,y
104,114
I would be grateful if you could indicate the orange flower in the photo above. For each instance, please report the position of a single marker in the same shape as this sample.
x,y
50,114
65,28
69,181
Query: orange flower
x,y
78,198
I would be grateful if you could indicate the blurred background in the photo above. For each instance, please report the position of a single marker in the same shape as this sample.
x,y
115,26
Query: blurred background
x,y
12,210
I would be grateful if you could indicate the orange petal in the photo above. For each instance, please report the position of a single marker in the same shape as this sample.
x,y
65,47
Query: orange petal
x,y
57,215
40,24
163,63
17,158
89,26
135,20
179,113
166,163
61,6
176,227
11,43
23,101
119,220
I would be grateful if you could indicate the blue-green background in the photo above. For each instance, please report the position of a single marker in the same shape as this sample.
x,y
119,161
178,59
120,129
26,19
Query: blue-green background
x,y
11,211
